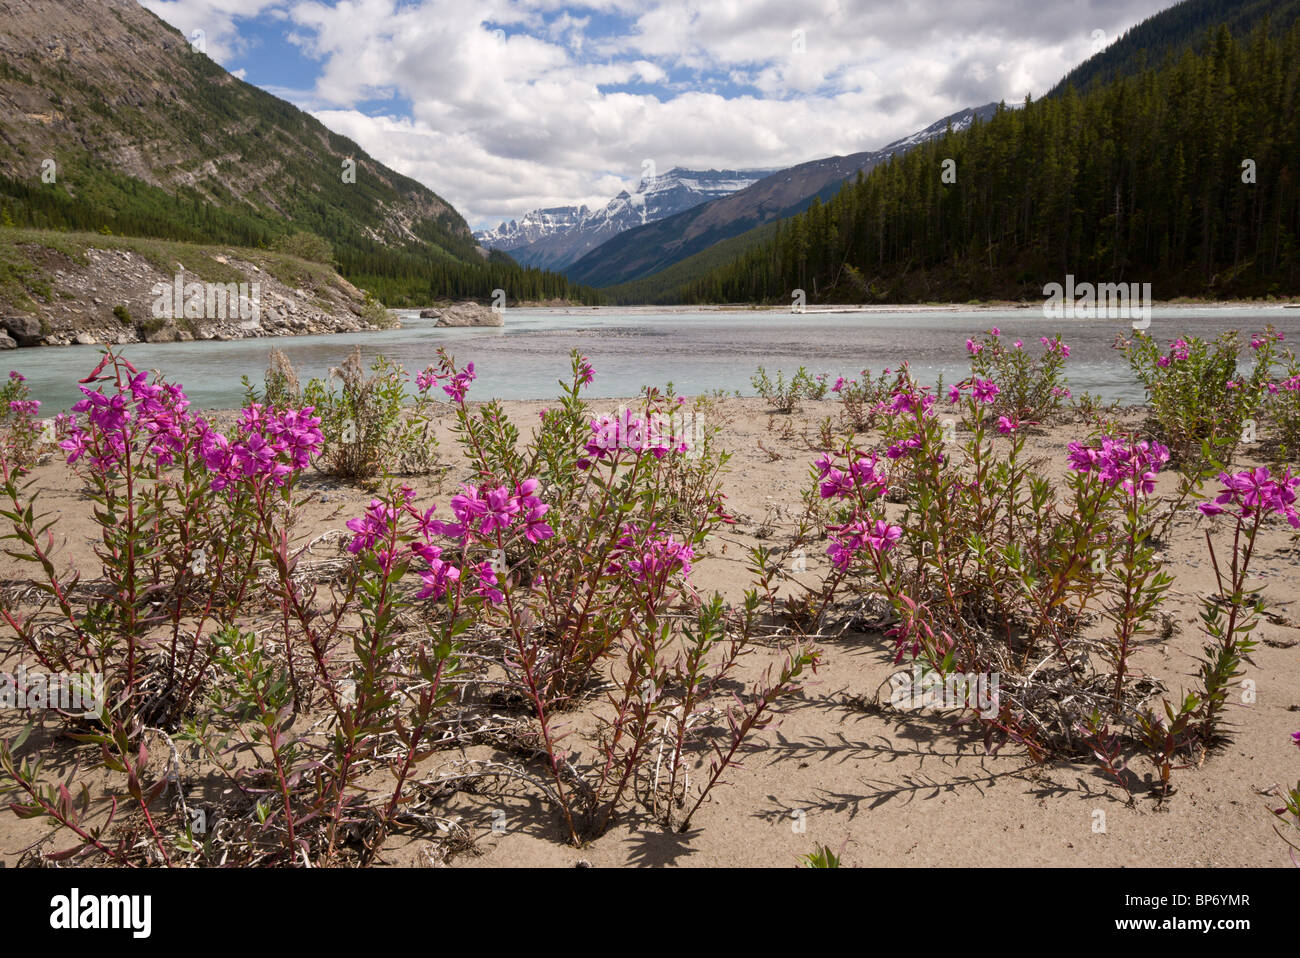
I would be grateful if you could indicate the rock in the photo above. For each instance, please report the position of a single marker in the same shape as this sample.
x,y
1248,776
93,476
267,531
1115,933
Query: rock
x,y
424,314
7,342
85,339
469,314
184,336
25,330
165,334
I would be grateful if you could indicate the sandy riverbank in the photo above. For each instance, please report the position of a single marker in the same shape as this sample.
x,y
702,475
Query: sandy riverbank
x,y
894,788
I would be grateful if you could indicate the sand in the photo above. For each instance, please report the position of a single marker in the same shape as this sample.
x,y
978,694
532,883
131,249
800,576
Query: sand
x,y
886,787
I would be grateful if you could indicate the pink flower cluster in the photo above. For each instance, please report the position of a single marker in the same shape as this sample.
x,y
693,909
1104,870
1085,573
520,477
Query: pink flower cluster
x,y
861,475
1131,466
625,430
1255,492
985,391
27,408
1179,352
1055,346
649,559
917,403
480,512
457,384
483,511
156,411
901,448
847,540
376,530
271,445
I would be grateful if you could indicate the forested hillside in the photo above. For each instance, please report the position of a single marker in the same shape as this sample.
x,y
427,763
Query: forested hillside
x,y
1172,32
1183,176
112,122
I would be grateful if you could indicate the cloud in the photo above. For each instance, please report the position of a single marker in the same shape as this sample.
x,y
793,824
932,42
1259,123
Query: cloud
x,y
215,19
516,104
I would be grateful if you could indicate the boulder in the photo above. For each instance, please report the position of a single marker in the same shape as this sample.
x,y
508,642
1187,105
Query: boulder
x,y
86,339
25,330
469,314
164,334
7,342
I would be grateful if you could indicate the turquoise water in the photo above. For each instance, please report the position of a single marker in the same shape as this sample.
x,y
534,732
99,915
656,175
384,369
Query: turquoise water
x,y
697,351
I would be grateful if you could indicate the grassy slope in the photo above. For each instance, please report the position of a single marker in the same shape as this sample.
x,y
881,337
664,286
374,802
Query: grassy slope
x,y
25,275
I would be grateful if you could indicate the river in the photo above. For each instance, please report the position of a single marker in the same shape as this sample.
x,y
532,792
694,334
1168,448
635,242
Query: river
x,y
697,350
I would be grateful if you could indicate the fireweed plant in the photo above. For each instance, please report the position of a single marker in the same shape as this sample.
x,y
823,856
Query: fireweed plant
x,y
1202,403
186,518
611,597
558,574
1289,815
863,400
1248,499
23,436
1030,388
991,569
1284,407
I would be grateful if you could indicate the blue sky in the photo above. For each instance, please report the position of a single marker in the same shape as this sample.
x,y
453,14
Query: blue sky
x,y
502,106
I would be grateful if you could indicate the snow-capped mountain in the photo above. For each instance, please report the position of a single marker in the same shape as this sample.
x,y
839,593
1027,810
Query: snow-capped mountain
x,y
644,250
553,238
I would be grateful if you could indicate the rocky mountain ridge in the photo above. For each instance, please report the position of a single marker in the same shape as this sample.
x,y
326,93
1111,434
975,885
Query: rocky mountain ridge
x,y
555,237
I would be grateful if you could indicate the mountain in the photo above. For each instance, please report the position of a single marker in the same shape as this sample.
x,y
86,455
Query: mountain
x,y
1141,180
111,122
554,238
1171,32
647,249
59,287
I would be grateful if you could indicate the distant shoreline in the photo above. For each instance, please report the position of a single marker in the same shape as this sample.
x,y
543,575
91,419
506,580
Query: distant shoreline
x,y
901,307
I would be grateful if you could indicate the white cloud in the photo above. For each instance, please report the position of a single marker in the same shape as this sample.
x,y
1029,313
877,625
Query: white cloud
x,y
215,18
518,104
